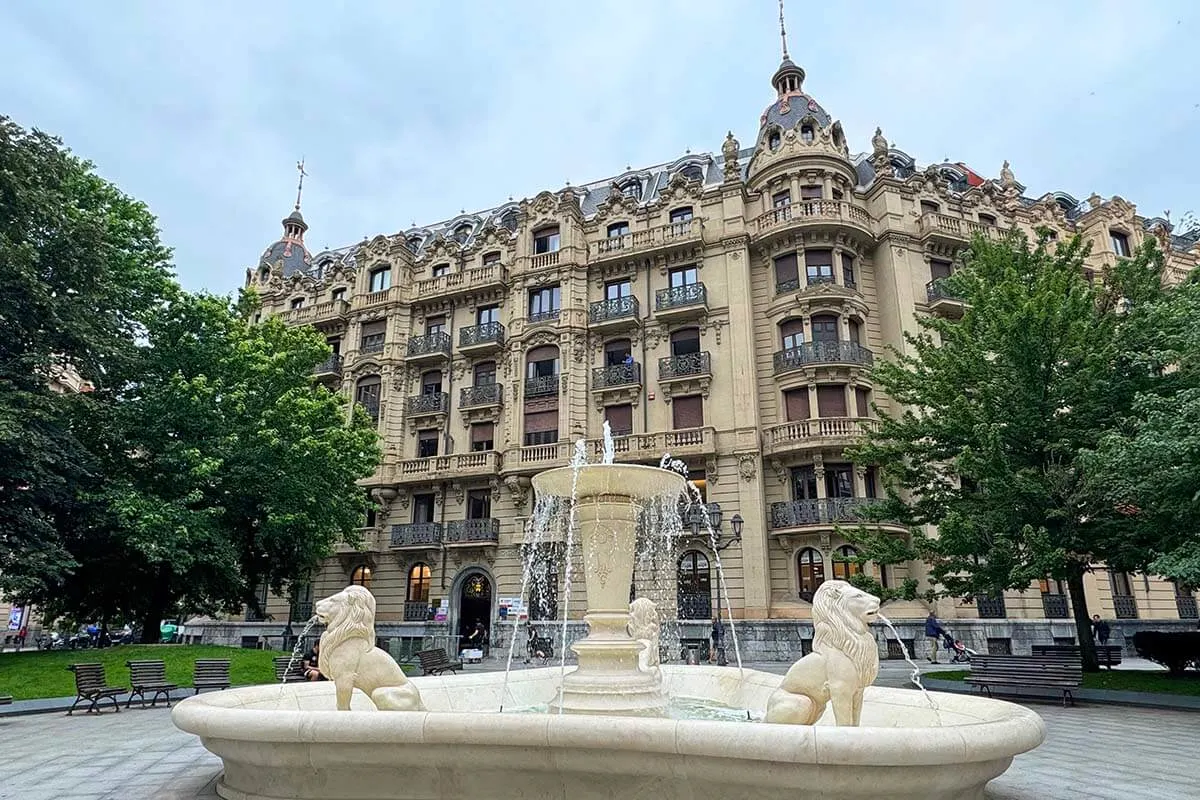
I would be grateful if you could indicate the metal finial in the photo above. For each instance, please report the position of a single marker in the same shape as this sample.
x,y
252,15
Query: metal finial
x,y
782,31
300,187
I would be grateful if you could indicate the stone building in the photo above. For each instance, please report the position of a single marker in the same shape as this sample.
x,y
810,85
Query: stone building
x,y
723,307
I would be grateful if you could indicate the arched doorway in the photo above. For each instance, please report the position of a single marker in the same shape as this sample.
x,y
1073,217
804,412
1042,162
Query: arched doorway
x,y
474,603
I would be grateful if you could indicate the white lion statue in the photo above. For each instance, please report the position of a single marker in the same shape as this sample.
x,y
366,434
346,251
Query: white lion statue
x,y
844,660
349,657
643,626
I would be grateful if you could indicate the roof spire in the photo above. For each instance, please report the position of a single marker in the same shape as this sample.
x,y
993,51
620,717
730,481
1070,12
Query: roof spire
x,y
782,31
300,169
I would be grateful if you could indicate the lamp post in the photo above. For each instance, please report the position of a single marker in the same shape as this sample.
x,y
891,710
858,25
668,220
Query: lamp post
x,y
719,624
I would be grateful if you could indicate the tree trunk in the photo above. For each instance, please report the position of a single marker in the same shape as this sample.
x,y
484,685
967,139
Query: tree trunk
x,y
159,599
1083,623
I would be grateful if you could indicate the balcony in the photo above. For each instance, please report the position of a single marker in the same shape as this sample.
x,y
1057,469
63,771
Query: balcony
x,y
543,260
430,347
487,337
823,432
331,366
618,313
834,216
690,365
465,282
823,513
460,465
484,395
424,405
681,302
1124,606
639,447
1054,606
416,611
952,230
629,374
536,457
674,235
472,532
812,354
541,386
417,536
941,301
371,343
383,297
541,317
319,313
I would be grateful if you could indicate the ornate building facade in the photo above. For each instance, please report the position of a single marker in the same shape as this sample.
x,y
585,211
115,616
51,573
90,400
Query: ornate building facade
x,y
725,308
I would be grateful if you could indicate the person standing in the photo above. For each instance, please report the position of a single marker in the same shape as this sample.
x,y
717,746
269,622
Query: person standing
x,y
1100,630
933,632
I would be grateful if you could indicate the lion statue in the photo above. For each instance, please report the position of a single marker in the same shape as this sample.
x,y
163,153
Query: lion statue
x,y
844,660
643,626
350,659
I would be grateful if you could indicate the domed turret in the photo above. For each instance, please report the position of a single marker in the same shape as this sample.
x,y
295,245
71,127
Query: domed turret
x,y
290,250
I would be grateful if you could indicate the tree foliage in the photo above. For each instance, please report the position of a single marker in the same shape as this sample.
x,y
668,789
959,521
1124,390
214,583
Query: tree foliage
x,y
998,410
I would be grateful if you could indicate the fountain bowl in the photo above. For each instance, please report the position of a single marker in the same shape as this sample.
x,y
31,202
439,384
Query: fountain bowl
x,y
289,742
625,480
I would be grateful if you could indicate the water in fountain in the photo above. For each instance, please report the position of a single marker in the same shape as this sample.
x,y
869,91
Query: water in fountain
x,y
578,461
696,501
308,626
916,671
654,555
610,450
544,509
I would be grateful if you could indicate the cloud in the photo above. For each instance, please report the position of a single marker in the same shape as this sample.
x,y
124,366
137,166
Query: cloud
x,y
410,112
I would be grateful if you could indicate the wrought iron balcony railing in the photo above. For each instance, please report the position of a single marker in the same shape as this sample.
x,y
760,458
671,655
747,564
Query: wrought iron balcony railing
x,y
613,309
629,374
811,353
692,294
991,607
485,333
472,531
695,604
684,366
485,394
417,534
794,513
1054,606
1125,606
433,403
430,344
330,366
936,290
416,611
541,385
544,316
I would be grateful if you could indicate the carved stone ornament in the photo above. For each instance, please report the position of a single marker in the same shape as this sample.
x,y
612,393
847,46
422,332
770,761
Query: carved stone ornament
x,y
1007,178
518,486
747,466
879,145
729,151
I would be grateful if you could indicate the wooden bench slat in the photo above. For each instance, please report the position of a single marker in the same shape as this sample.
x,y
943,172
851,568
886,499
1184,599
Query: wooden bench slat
x,y
435,662
91,685
284,675
210,673
149,676
1054,671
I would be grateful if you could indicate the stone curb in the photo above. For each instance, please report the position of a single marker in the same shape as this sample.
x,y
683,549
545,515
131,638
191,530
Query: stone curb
x,y
50,705
1177,702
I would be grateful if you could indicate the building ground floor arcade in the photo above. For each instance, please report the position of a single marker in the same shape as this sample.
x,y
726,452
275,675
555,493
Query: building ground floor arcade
x,y
442,555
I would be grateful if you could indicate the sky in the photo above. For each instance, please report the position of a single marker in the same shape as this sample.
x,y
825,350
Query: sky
x,y
410,112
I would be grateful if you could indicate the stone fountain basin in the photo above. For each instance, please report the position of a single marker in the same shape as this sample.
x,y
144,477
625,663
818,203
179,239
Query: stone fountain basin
x,y
289,742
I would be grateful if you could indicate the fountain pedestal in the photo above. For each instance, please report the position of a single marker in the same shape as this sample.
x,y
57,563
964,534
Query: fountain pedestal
x,y
608,499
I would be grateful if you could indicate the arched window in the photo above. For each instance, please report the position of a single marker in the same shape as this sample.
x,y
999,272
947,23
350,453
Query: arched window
x,y
632,189
806,133
692,173
810,572
419,581
694,586
361,576
462,233
542,362
685,341
508,220
773,141
846,563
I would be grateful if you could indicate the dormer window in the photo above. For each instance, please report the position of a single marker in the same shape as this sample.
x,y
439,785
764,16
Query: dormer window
x,y
806,133
491,258
692,173
462,233
414,243
618,229
681,214
1120,243
508,220
632,189
546,240
773,141
338,294
440,269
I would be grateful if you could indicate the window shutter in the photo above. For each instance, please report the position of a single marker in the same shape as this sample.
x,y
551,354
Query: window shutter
x,y
483,432
796,401
939,269
831,401
818,258
688,412
541,421
374,328
544,353
862,399
786,272
620,419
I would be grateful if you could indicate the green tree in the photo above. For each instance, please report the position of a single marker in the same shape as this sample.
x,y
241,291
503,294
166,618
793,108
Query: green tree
x,y
226,467
81,268
996,411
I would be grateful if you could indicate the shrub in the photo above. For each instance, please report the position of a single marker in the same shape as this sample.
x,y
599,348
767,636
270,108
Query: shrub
x,y
1175,650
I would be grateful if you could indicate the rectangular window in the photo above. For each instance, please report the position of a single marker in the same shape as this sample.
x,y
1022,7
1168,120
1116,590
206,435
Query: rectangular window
x,y
811,193
781,199
373,334
381,279
684,276
545,240
479,504
486,315
796,404
685,342
431,382
988,220
848,271
929,207
367,396
619,419
482,436
491,258
335,345
485,373
831,401
422,508
793,334
787,273
440,269
1120,243
818,266
837,194
544,302
616,290
617,352
862,401
681,215
435,325
839,480
804,483
372,513
338,294
618,229
687,412
427,443
939,269
298,303
870,482
824,328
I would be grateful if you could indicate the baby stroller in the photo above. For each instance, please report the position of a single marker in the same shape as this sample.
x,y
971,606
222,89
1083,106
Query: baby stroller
x,y
959,652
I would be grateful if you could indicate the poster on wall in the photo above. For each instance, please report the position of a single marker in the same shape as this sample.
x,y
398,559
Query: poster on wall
x,y
443,611
14,618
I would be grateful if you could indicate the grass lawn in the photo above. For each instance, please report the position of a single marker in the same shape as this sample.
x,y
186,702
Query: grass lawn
x,y
35,674
1124,680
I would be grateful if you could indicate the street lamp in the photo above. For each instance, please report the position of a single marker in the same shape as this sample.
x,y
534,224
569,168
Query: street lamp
x,y
718,634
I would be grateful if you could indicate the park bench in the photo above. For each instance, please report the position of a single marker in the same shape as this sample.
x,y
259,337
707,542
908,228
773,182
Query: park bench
x,y
91,685
284,674
211,673
435,662
990,672
1109,655
5,699
149,676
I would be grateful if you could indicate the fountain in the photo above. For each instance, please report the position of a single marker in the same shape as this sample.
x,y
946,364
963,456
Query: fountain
x,y
619,725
